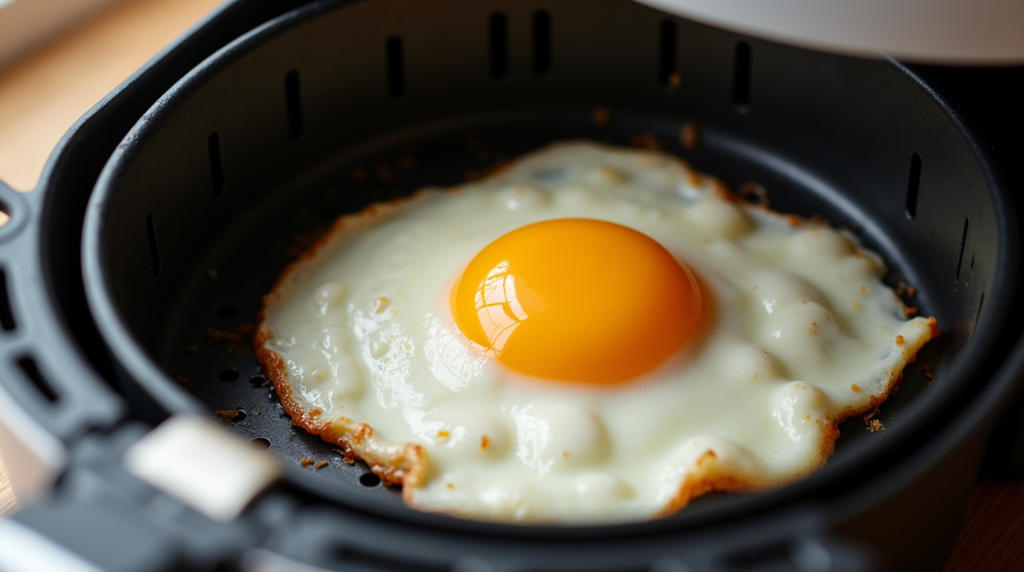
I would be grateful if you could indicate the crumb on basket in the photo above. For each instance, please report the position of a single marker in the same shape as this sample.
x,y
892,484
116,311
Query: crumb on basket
x,y
872,422
647,140
905,291
754,193
927,372
229,415
306,462
602,115
181,380
320,465
240,337
383,173
689,135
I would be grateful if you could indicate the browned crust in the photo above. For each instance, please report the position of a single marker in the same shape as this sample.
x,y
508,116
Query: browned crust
x,y
689,135
706,478
405,468
893,379
354,439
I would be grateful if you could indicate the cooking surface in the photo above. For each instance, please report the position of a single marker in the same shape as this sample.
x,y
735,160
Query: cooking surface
x,y
52,87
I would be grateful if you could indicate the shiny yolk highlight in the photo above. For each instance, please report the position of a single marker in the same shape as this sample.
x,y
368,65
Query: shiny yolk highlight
x,y
577,300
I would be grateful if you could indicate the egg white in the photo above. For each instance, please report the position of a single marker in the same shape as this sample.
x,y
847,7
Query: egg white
x,y
359,340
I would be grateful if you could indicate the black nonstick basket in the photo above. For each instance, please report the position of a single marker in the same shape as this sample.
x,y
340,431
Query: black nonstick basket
x,y
337,104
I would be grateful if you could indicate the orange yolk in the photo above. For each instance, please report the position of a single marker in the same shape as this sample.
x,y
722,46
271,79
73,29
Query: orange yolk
x,y
577,300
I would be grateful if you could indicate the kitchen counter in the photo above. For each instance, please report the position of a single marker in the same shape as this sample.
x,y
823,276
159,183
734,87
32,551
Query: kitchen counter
x,y
45,92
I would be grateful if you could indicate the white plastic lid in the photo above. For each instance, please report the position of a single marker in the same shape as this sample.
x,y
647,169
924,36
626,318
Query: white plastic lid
x,y
971,32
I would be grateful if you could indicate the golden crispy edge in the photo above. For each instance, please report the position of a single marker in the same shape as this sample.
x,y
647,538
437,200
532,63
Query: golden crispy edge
x,y
395,465
411,466
405,464
705,478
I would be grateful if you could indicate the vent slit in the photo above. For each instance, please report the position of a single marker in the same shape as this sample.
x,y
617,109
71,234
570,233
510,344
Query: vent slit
x,y
396,66
542,42
960,259
154,251
913,183
216,166
741,76
6,313
499,45
667,74
294,100
31,370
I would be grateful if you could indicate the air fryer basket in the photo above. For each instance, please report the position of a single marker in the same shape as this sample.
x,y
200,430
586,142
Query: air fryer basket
x,y
342,104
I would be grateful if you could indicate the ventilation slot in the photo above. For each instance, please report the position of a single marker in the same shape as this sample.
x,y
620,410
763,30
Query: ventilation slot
x,y
31,370
741,77
216,166
294,99
667,74
6,314
499,45
960,259
913,183
542,42
154,251
396,67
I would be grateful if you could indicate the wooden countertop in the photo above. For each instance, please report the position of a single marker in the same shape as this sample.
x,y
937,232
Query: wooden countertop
x,y
45,92
6,496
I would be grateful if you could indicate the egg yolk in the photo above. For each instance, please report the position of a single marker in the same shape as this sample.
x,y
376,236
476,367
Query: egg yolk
x,y
577,300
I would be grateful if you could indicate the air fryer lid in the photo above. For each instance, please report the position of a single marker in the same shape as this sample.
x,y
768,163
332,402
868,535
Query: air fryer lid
x,y
210,194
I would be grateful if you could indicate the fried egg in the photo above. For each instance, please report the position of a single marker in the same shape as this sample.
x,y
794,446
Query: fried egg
x,y
592,335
